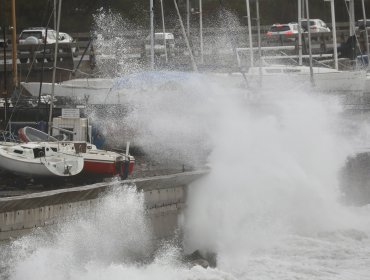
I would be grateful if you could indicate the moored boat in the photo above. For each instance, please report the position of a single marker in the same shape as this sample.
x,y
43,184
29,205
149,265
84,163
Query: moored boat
x,y
284,77
91,91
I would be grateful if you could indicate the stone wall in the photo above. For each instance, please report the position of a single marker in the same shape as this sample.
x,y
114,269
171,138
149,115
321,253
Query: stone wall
x,y
165,197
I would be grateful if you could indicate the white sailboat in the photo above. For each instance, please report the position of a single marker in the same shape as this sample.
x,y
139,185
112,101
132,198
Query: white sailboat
x,y
285,77
98,163
91,91
39,160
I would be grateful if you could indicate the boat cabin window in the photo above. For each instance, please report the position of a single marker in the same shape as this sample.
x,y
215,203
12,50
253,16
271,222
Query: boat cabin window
x,y
54,149
18,152
39,152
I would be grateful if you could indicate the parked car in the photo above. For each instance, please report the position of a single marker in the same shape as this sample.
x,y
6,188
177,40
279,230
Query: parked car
x,y
316,25
66,38
159,46
35,36
283,29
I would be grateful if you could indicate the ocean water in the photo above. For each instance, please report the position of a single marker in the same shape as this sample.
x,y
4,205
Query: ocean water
x,y
271,207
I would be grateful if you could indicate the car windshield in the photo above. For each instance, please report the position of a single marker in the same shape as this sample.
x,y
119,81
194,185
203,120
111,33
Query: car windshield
x,y
279,28
27,34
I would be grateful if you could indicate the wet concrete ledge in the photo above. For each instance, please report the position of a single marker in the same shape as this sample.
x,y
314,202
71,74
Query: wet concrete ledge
x,y
165,198
83,193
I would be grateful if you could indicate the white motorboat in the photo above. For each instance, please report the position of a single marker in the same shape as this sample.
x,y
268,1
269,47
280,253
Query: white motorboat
x,y
39,160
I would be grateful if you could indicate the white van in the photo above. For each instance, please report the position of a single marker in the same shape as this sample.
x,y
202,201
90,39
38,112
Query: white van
x,y
159,44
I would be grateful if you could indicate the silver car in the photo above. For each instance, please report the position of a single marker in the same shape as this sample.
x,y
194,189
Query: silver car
x,y
316,25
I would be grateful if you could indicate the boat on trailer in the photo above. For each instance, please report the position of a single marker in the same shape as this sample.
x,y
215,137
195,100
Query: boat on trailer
x,y
39,160
96,162
100,163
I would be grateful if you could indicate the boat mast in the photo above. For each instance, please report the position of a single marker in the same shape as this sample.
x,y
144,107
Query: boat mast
x,y
259,42
351,17
250,32
194,65
14,46
164,32
55,14
188,18
366,33
258,30
334,31
201,31
309,43
5,90
300,32
54,69
151,35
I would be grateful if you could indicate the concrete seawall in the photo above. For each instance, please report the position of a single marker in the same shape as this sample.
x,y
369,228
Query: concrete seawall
x,y
165,197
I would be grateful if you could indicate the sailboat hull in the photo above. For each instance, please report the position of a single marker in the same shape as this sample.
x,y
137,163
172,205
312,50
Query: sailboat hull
x,y
91,91
287,78
102,167
41,167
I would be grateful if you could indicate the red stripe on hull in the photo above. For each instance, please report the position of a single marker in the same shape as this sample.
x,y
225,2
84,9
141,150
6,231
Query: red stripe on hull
x,y
131,166
106,168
